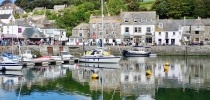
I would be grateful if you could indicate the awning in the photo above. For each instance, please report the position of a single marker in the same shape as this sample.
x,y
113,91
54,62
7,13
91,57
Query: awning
x,y
12,36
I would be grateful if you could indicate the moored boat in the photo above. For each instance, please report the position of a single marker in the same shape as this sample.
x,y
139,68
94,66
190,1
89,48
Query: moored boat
x,y
8,64
99,55
137,51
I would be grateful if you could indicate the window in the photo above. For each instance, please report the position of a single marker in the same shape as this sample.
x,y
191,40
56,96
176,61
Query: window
x,y
126,78
135,20
135,29
173,33
160,25
80,28
148,29
196,32
126,29
94,26
113,32
149,40
135,78
80,34
139,29
159,33
209,31
166,33
126,20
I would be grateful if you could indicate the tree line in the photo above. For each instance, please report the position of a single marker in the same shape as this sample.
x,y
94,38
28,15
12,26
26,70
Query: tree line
x,y
179,8
80,10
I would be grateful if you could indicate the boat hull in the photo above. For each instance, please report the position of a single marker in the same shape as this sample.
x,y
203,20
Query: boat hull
x,y
128,54
114,59
12,66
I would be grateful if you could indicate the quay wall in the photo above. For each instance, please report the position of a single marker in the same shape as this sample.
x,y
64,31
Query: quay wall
x,y
77,50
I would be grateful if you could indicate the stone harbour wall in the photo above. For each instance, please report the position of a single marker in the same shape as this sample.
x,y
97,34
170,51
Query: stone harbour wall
x,y
78,50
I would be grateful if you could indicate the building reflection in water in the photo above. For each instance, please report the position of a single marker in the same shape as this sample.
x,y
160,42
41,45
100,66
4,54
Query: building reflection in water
x,y
40,74
132,78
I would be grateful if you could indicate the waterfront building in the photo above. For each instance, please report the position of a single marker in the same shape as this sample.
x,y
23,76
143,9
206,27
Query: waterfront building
x,y
111,29
79,35
168,32
196,31
138,27
54,33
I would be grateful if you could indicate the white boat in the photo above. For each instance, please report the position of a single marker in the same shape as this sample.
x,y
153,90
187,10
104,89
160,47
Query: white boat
x,y
100,65
137,51
8,64
26,56
96,56
65,55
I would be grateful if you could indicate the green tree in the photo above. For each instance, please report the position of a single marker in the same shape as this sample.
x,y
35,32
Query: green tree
x,y
16,16
133,6
199,9
22,3
115,6
161,7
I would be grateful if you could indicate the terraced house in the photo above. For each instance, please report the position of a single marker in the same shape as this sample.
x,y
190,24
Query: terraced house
x,y
138,27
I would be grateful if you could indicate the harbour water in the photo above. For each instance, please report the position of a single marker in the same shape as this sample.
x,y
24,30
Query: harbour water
x,y
136,78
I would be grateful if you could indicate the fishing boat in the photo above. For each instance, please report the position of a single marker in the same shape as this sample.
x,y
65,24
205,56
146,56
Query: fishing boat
x,y
9,64
99,55
137,51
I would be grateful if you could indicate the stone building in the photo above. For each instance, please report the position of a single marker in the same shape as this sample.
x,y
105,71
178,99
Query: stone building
x,y
111,29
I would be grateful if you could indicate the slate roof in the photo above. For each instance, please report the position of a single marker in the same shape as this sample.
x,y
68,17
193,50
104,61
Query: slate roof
x,y
144,16
170,24
23,22
5,16
82,25
106,19
30,32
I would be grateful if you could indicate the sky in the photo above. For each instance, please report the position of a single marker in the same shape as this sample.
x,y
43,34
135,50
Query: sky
x,y
3,0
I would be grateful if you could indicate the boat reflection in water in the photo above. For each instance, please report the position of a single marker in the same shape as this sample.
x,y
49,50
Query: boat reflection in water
x,y
100,65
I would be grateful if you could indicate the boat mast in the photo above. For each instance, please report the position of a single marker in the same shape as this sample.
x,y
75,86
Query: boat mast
x,y
102,15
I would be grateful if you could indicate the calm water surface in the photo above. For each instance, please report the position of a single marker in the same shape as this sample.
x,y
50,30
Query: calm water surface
x,y
131,79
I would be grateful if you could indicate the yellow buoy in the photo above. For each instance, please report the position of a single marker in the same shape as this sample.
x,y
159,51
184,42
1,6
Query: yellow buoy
x,y
167,64
166,69
94,76
148,76
148,72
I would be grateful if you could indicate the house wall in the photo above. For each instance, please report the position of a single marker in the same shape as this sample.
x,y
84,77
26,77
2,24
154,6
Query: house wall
x,y
138,35
6,11
170,36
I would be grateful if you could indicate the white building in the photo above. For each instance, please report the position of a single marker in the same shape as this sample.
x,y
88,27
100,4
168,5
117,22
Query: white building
x,y
11,8
57,34
138,27
168,32
7,18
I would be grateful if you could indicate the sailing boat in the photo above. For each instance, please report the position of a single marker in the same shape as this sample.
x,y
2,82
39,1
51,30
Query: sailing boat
x,y
8,61
99,54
